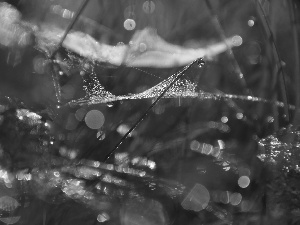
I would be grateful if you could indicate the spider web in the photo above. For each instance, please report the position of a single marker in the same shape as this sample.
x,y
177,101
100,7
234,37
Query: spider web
x,y
182,88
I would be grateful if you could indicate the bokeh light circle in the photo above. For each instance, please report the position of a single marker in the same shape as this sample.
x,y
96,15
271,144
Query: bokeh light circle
x,y
251,23
197,199
129,24
237,40
80,114
244,181
144,212
148,7
94,119
235,199
103,217
195,145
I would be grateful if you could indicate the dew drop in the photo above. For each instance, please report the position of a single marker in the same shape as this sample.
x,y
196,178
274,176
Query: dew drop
x,y
201,169
270,119
67,14
123,129
200,62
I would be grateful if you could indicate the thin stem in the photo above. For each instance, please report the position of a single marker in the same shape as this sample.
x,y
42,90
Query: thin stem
x,y
55,83
81,8
277,55
53,72
292,12
177,77
229,52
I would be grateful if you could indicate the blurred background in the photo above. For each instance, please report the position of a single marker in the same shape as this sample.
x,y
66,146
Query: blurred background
x,y
208,147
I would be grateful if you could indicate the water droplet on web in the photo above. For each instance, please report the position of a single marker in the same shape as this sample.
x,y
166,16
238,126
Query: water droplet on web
x,y
181,88
200,62
123,129
110,104
201,169
67,14
129,24
94,119
270,119
95,92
